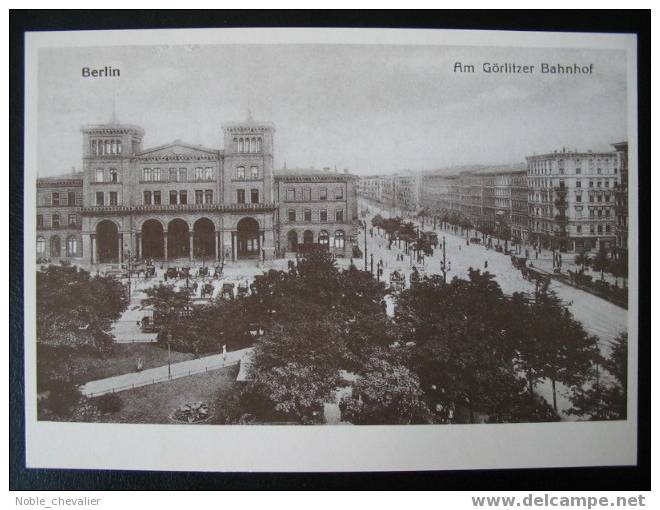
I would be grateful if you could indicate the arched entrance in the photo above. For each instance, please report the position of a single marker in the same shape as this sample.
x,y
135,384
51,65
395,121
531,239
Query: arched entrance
x,y
292,240
153,240
178,239
308,241
249,244
107,236
324,239
204,239
55,246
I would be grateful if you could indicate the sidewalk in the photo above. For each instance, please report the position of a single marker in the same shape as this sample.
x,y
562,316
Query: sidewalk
x,y
160,374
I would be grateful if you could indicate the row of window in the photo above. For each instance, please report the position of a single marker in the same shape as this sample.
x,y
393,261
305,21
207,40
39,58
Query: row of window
x,y
305,194
199,173
240,173
101,198
294,216
73,247
56,198
178,197
248,144
106,147
56,221
106,175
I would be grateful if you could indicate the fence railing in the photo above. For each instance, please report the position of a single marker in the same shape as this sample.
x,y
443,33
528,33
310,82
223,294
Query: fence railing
x,y
174,375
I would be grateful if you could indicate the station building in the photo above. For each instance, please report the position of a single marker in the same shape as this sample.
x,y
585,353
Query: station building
x,y
178,201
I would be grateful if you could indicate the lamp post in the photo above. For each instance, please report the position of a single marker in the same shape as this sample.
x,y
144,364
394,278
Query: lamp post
x,y
365,244
129,267
169,355
444,266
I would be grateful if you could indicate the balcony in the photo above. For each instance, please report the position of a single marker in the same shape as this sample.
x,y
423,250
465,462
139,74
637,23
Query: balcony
x,y
170,208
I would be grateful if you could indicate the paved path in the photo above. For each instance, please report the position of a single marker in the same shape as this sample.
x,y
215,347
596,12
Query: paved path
x,y
160,374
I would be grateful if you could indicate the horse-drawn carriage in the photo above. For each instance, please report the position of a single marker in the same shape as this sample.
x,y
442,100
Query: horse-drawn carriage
x,y
207,290
176,272
397,281
203,272
227,291
518,262
243,289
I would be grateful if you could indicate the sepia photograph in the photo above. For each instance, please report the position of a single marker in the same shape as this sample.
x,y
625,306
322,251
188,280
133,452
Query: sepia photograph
x,y
262,231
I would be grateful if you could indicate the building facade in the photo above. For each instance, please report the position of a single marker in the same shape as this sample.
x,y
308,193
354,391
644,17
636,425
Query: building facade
x,y
571,199
621,199
316,209
180,202
59,225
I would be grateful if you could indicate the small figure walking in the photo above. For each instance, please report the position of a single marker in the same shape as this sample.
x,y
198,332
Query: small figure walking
x,y
224,353
138,365
486,264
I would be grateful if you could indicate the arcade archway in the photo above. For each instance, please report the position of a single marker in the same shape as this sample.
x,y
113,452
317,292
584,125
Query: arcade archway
x,y
249,243
153,240
292,240
55,246
178,239
107,236
203,239
308,241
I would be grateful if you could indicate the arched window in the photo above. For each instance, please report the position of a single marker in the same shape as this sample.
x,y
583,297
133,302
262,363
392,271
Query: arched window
x,y
340,239
258,144
240,145
93,147
118,146
253,145
41,245
147,198
71,246
235,144
107,147
324,238
113,147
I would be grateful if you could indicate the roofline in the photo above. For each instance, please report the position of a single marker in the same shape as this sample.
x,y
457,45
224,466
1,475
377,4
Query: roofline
x,y
178,142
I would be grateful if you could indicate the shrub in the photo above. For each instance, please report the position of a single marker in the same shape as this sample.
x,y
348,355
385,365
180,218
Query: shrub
x,y
109,403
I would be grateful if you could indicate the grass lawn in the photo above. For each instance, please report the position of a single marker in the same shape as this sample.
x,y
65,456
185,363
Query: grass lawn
x,y
89,366
155,403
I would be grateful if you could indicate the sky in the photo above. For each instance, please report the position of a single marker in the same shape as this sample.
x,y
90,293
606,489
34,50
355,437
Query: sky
x,y
369,108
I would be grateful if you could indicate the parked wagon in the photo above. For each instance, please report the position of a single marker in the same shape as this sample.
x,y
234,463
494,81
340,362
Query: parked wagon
x,y
227,291
397,281
243,289
172,272
207,290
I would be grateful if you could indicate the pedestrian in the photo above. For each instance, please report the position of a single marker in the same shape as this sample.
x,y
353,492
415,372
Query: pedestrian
x,y
165,275
224,352
486,264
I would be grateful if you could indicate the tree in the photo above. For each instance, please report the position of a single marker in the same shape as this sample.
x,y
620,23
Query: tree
x,y
75,309
377,221
561,350
619,268
605,398
172,309
387,394
600,263
460,354
581,259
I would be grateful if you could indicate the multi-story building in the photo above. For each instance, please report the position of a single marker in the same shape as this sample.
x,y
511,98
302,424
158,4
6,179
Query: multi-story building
x,y
571,199
407,192
370,187
621,199
398,192
316,208
59,202
519,209
178,201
